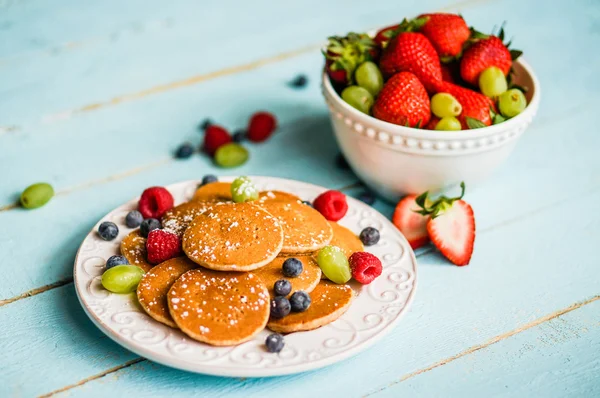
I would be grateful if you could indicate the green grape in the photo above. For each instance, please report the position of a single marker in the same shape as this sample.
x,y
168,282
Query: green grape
x,y
122,278
243,190
358,98
492,82
512,102
231,155
36,195
444,104
334,264
448,123
369,77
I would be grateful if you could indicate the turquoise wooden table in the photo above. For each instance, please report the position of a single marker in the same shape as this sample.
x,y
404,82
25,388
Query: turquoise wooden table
x,y
95,96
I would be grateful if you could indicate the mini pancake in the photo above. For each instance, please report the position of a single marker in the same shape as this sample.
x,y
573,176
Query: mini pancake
x,y
305,230
133,248
177,219
219,308
155,284
214,192
329,302
277,196
233,237
307,280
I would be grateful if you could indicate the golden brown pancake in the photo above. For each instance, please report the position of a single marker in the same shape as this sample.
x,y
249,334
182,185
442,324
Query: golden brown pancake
x,y
213,192
307,280
233,237
305,230
277,196
155,284
219,308
345,239
328,302
177,219
133,248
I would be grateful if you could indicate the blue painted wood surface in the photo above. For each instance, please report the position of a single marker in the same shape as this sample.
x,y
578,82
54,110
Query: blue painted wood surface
x,y
94,96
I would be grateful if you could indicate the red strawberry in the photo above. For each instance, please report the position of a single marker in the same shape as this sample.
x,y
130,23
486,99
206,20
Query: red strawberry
x,y
162,246
451,227
483,54
331,204
412,52
432,123
447,32
403,100
412,225
214,137
475,106
385,35
261,126
154,202
365,267
344,54
447,74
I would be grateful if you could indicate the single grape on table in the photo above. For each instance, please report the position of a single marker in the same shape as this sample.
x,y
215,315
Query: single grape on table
x,y
231,155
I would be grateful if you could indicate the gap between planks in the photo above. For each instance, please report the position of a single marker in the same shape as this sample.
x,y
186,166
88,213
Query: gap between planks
x,y
490,342
443,362
193,80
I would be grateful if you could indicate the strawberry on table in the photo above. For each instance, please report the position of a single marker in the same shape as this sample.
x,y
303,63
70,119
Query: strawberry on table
x,y
451,227
344,54
412,52
412,224
403,100
447,33
215,137
475,106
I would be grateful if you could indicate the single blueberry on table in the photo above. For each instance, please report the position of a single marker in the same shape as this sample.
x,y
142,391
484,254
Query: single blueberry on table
x,y
148,225
292,267
133,219
207,179
280,307
299,81
341,162
116,260
367,197
300,301
239,136
108,230
205,124
369,236
274,342
184,151
282,287
306,202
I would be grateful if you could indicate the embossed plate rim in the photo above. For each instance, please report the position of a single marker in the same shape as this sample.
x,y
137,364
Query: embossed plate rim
x,y
260,363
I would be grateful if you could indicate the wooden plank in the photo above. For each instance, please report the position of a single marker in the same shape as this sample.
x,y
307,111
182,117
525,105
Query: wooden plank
x,y
455,309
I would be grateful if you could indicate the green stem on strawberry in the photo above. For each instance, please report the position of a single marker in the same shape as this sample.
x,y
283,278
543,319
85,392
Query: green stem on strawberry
x,y
438,206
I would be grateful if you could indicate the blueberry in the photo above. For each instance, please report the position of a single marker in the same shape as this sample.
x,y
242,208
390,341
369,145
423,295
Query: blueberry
x,y
116,260
184,151
205,124
306,202
282,287
292,267
133,219
367,197
300,301
274,342
299,81
280,307
369,236
207,179
341,162
239,136
149,224
108,230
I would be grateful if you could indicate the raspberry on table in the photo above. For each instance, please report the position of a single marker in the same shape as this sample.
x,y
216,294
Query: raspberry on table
x,y
261,126
108,230
154,202
332,205
149,225
215,137
365,267
300,301
162,246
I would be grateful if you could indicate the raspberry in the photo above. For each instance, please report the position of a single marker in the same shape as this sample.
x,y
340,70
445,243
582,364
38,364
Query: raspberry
x,y
155,201
162,246
332,205
365,267
215,137
261,126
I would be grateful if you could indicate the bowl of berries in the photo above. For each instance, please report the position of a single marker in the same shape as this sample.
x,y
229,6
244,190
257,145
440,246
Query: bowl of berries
x,y
427,103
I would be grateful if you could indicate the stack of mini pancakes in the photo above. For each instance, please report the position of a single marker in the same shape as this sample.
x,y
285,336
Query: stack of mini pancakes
x,y
219,292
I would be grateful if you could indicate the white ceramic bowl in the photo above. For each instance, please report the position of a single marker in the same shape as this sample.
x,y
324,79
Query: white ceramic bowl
x,y
394,160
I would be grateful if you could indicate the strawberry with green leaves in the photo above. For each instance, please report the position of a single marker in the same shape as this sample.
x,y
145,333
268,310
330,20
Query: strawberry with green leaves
x,y
447,32
403,100
344,54
451,225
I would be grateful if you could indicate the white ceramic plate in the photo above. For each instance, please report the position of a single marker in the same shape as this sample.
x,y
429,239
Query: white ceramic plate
x,y
374,312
